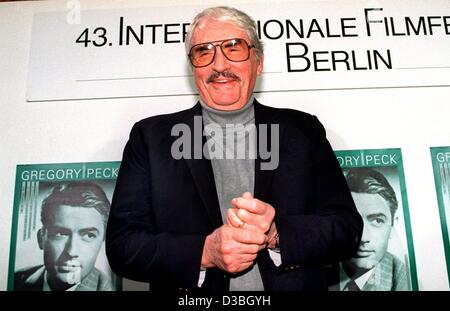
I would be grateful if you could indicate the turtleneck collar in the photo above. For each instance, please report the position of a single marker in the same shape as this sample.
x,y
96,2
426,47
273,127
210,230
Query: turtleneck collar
x,y
244,115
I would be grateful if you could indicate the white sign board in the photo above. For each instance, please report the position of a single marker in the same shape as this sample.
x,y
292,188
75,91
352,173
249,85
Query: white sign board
x,y
308,46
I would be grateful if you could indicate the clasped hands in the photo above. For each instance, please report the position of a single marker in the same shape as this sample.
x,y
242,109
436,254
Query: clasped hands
x,y
250,227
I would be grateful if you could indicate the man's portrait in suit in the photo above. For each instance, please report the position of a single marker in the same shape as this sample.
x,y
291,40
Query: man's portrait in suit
x,y
373,268
73,217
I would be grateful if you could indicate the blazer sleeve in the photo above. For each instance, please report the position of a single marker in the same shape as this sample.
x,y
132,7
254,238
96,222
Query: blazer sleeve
x,y
134,248
333,231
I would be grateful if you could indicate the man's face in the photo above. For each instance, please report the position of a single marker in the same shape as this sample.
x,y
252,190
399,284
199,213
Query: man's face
x,y
377,229
71,245
225,93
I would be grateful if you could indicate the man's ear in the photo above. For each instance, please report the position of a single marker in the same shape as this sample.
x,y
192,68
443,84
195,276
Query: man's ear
x,y
40,238
261,64
394,223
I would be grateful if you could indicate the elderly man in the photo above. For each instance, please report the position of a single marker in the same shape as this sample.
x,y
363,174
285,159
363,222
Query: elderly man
x,y
191,214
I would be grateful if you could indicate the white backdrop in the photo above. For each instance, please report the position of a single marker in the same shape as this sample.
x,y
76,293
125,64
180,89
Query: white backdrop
x,y
89,130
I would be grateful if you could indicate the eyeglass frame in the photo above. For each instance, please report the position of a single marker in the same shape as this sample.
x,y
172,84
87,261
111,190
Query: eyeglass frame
x,y
250,46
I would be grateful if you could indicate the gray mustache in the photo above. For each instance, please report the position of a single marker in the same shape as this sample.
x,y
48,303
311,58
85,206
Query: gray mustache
x,y
226,74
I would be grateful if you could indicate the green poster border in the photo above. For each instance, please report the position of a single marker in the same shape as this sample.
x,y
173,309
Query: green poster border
x,y
17,191
437,183
13,242
409,237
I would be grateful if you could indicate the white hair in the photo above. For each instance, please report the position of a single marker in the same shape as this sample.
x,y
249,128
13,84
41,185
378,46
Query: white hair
x,y
227,14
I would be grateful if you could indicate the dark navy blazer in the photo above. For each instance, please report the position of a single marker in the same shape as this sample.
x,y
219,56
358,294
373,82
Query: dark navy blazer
x,y
163,208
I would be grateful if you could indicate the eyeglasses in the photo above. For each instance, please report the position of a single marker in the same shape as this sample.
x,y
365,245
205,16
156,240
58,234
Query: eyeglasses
x,y
235,50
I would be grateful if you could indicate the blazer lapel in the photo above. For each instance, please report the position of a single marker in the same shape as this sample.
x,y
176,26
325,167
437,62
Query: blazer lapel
x,y
263,178
201,170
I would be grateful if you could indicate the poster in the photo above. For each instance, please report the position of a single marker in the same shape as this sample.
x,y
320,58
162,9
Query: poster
x,y
440,157
58,229
385,259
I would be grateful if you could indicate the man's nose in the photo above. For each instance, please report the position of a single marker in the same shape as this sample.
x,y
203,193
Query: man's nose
x,y
220,62
366,234
72,246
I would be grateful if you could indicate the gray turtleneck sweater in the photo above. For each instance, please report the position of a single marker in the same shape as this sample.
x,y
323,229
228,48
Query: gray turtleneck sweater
x,y
231,146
